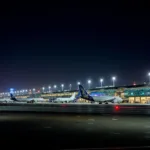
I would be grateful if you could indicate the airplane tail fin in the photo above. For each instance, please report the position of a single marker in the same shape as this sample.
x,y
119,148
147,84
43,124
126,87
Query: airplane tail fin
x,y
73,96
84,93
12,97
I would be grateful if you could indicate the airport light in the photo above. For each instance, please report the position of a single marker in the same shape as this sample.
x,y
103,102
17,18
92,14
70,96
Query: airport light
x,y
26,90
149,77
113,79
55,86
70,86
49,88
89,83
78,83
101,80
33,90
43,88
62,86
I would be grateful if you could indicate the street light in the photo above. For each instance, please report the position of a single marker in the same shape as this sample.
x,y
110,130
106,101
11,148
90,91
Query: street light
x,y
101,80
113,78
43,88
78,83
89,82
49,88
70,86
62,86
149,77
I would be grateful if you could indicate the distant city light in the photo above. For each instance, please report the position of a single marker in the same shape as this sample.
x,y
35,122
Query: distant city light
x,y
55,86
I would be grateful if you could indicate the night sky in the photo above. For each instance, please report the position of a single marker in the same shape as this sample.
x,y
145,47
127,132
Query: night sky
x,y
49,45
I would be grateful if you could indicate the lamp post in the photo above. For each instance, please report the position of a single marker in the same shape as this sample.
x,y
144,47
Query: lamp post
x,y
70,86
113,79
62,86
89,83
101,80
149,78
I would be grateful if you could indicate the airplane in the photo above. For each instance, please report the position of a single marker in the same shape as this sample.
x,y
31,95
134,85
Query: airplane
x,y
100,99
5,100
66,100
38,99
28,100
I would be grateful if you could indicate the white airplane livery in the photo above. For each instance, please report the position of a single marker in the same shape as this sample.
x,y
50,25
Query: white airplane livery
x,y
100,99
5,100
65,100
28,100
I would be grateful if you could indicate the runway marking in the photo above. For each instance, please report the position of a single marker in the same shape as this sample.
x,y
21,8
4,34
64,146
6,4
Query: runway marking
x,y
114,119
91,119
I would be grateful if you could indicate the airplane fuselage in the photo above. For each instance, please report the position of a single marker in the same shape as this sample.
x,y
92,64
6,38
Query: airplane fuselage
x,y
112,99
63,100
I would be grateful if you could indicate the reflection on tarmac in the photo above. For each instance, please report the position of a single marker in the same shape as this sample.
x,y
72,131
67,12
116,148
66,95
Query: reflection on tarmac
x,y
87,130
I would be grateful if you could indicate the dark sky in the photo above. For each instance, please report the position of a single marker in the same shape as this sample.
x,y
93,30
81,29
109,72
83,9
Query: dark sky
x,y
63,44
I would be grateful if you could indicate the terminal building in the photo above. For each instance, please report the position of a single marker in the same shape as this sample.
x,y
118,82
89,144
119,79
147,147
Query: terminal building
x,y
129,94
